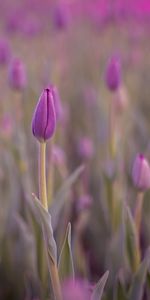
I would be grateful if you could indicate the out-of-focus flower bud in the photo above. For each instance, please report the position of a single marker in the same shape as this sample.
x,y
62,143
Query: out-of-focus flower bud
x,y
17,75
5,52
73,290
113,74
141,173
85,148
84,202
60,17
44,118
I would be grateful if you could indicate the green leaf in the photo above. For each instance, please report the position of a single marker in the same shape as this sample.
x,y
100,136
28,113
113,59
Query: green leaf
x,y
45,220
99,288
137,288
62,195
119,293
65,264
132,244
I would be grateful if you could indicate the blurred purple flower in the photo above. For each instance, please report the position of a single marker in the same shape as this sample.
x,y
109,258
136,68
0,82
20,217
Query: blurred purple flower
x,y
44,118
113,73
30,27
84,202
17,74
85,148
75,290
60,17
5,51
141,173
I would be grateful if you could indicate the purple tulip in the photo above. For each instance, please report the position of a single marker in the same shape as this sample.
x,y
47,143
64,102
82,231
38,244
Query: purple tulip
x,y
44,118
141,173
5,52
73,290
17,75
85,148
113,74
60,17
84,202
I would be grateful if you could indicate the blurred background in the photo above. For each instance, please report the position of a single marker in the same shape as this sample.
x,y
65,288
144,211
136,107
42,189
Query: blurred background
x,y
69,44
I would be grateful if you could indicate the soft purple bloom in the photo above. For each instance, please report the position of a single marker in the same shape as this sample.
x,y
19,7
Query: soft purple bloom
x,y
85,148
60,17
17,75
30,27
113,74
141,173
75,290
5,52
44,118
84,202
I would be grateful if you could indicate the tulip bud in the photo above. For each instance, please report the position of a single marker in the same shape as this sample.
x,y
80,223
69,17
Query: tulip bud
x,y
85,148
113,74
77,289
141,173
84,202
17,75
44,118
60,17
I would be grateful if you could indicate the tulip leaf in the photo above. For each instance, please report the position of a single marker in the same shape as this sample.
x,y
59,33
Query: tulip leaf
x,y
132,245
119,293
139,280
45,219
65,264
99,288
62,194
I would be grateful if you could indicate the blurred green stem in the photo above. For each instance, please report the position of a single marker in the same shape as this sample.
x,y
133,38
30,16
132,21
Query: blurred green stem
x,y
111,203
111,142
138,212
51,172
42,176
55,280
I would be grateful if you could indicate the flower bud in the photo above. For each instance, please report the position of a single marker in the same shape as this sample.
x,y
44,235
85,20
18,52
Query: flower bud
x,y
85,148
17,75
113,74
60,17
44,118
84,202
141,173
77,289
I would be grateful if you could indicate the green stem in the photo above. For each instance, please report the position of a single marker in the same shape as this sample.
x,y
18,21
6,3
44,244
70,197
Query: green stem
x,y
55,280
43,198
42,176
50,178
138,212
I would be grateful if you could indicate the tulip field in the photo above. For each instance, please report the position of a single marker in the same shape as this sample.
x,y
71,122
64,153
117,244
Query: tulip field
x,y
74,150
